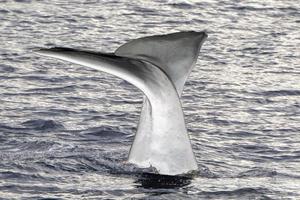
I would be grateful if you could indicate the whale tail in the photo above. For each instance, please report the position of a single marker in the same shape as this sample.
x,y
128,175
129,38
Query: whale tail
x,y
159,67
175,54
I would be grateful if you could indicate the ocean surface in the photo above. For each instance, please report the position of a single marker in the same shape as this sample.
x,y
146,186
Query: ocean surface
x,y
66,130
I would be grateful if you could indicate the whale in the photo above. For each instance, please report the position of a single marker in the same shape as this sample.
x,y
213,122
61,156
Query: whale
x,y
159,66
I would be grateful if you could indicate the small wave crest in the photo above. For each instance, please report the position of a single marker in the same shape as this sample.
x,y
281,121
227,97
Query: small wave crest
x,y
180,3
258,172
244,193
40,124
6,68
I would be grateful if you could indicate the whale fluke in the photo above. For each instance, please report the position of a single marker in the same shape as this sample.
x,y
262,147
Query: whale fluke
x,y
158,66
176,54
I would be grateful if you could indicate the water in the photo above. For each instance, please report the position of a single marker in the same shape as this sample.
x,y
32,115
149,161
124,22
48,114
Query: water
x,y
65,130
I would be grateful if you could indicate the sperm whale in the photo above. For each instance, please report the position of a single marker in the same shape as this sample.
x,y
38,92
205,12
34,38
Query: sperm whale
x,y
159,66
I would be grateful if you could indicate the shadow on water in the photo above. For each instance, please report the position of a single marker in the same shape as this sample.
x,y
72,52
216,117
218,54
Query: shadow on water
x,y
157,181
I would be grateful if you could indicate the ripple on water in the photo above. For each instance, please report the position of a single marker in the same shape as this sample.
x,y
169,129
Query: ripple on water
x,y
40,124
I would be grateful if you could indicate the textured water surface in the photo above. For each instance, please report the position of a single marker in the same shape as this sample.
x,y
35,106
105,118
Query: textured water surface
x,y
66,130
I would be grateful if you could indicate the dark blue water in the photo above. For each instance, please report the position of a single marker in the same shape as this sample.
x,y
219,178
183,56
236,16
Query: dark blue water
x,y
66,130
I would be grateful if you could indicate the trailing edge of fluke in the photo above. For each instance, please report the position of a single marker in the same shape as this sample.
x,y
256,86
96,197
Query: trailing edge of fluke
x,y
159,66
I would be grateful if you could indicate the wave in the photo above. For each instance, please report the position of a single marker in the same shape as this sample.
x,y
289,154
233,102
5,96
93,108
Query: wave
x,y
41,124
